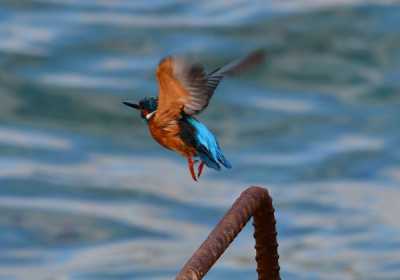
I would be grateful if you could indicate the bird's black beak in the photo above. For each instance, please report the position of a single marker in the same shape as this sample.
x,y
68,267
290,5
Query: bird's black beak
x,y
132,105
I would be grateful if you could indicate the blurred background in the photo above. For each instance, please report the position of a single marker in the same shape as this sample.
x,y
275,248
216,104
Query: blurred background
x,y
85,193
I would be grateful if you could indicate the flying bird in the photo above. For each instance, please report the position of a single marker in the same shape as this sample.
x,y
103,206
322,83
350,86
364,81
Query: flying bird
x,y
185,89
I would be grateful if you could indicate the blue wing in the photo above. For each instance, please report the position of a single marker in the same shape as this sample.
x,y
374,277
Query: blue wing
x,y
207,146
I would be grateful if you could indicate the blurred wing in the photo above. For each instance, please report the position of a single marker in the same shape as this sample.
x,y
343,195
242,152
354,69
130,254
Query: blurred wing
x,y
171,96
238,66
188,87
198,85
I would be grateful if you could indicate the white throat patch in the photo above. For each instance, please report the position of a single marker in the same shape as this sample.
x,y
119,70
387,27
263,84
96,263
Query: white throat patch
x,y
149,115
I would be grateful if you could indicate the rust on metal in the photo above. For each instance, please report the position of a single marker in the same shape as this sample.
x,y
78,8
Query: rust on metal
x,y
254,202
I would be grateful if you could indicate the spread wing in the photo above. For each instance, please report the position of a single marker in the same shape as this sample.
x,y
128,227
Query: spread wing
x,y
185,86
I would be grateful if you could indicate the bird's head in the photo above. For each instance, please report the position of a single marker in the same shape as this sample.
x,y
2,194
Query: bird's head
x,y
147,107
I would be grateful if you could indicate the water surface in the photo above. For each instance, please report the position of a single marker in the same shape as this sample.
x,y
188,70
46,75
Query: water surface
x,y
86,194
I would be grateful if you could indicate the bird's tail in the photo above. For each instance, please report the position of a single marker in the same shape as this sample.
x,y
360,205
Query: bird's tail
x,y
213,157
222,159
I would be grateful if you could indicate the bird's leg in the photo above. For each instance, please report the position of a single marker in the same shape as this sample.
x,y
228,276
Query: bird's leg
x,y
200,169
191,168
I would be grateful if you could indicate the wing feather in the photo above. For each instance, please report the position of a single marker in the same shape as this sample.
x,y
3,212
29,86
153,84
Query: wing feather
x,y
185,86
171,96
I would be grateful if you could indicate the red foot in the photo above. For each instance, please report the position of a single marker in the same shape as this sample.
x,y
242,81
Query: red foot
x,y
200,169
191,168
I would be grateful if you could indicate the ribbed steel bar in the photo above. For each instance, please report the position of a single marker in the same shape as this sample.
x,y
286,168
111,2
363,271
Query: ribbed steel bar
x,y
256,202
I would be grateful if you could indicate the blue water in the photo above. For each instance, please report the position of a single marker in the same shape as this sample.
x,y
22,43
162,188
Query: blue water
x,y
86,194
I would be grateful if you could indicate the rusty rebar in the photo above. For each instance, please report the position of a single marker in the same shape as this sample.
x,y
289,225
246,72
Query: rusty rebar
x,y
256,202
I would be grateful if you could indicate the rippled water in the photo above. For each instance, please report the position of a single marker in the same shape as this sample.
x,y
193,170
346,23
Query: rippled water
x,y
85,193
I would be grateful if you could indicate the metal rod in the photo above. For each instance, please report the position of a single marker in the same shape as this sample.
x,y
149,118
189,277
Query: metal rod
x,y
256,202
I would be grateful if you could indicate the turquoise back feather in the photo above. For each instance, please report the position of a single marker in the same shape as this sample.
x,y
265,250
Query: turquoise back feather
x,y
207,146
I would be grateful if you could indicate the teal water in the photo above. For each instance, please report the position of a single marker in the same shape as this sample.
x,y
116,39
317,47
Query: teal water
x,y
86,194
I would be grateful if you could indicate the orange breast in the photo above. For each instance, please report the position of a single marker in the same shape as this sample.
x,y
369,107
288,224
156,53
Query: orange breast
x,y
168,137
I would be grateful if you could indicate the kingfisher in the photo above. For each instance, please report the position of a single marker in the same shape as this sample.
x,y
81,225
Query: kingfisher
x,y
185,90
